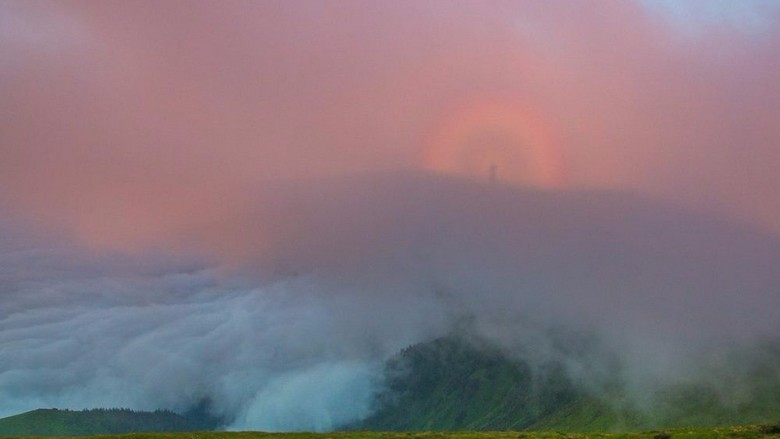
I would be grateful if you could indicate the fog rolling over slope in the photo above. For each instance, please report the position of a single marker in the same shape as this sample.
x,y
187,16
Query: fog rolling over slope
x,y
326,279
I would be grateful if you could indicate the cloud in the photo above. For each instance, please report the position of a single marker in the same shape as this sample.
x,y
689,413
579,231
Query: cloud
x,y
361,267
83,329
185,216
177,339
127,122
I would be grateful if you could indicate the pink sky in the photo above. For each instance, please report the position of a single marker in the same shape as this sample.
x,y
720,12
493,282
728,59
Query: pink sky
x,y
271,166
130,120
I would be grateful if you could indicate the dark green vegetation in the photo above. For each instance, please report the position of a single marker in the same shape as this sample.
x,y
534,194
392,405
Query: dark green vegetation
x,y
737,432
53,422
454,384
461,383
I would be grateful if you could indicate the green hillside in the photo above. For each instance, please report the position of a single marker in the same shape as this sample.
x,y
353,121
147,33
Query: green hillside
x,y
460,383
54,422
733,432
457,383
451,384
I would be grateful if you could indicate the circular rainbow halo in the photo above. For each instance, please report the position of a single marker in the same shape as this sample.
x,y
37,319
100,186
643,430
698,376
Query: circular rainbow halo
x,y
496,140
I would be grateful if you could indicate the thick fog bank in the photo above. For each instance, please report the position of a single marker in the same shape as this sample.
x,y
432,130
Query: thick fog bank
x,y
283,313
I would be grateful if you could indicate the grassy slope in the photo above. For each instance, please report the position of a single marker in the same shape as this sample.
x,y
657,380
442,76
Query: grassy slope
x,y
452,384
50,422
449,385
737,432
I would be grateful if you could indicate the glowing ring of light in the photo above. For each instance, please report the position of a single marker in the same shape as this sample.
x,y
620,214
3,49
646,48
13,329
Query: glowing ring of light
x,y
533,145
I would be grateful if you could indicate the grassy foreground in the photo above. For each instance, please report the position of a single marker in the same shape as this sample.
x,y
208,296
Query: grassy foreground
x,y
748,431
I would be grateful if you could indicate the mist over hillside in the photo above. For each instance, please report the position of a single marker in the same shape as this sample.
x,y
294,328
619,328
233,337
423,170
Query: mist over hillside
x,y
287,323
463,382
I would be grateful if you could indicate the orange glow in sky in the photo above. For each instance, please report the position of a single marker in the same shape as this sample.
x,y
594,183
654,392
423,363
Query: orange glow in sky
x,y
129,122
493,139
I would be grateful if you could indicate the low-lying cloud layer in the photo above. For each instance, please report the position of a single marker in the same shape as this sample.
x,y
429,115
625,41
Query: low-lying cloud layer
x,y
295,336
177,223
